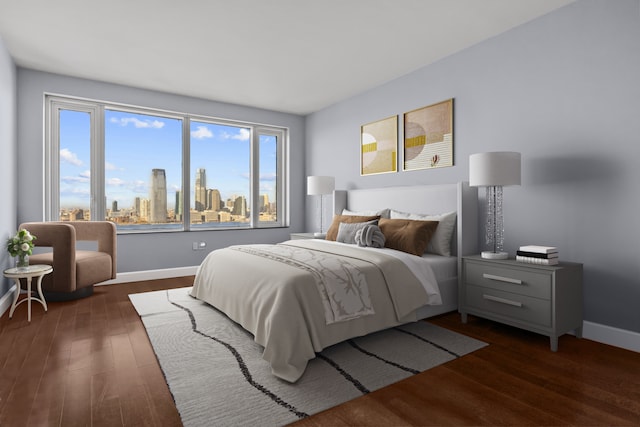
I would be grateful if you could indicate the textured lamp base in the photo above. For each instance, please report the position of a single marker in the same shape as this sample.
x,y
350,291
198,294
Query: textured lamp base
x,y
494,255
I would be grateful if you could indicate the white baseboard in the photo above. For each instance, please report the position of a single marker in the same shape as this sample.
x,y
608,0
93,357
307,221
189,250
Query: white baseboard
x,y
612,336
7,300
139,276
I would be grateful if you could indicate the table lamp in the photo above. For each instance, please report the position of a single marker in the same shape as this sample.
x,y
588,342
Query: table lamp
x,y
494,170
320,186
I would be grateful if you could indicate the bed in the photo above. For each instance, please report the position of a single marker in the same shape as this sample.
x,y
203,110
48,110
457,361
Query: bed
x,y
301,296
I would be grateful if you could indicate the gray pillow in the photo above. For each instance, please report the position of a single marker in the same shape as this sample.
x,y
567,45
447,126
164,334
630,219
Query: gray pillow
x,y
347,231
370,235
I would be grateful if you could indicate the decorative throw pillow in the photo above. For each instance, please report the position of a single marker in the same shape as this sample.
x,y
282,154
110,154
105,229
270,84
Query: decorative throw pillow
x,y
371,236
441,241
347,231
407,235
332,232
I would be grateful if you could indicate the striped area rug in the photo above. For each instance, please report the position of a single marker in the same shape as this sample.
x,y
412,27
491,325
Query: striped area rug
x,y
217,377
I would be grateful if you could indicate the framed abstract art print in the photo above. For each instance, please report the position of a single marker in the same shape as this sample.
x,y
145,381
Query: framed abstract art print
x,y
379,146
428,137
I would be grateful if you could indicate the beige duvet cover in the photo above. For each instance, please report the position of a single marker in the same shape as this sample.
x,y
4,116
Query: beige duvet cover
x,y
280,303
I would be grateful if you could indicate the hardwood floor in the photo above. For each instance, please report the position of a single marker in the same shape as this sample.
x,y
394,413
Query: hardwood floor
x,y
89,363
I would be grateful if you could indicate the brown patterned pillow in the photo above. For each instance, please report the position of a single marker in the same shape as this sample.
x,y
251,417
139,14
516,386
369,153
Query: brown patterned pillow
x,y
407,235
332,233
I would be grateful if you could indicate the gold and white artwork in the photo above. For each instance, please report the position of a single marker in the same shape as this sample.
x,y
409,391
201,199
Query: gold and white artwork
x,y
379,149
428,137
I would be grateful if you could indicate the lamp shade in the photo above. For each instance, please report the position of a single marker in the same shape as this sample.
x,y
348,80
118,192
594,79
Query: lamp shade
x,y
494,168
320,185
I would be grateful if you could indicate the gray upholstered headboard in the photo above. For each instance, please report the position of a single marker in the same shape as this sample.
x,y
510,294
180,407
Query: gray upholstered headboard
x,y
425,199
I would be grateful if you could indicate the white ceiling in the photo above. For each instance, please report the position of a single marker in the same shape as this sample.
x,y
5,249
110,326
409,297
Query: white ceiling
x,y
296,56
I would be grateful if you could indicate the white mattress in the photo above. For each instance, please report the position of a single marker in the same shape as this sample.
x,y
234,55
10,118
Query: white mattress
x,y
444,267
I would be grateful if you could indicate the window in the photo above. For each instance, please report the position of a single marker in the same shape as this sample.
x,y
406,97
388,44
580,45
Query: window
x,y
130,165
142,169
75,165
220,167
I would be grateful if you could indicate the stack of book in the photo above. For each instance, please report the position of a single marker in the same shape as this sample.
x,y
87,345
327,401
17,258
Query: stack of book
x,y
534,254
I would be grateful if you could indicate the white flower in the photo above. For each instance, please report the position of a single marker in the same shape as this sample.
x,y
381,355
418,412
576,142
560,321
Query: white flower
x,y
25,247
28,237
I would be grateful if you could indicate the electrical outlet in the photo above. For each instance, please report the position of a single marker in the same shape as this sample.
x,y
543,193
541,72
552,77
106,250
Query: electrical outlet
x,y
198,246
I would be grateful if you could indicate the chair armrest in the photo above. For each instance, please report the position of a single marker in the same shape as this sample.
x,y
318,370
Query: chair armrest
x,y
104,232
61,237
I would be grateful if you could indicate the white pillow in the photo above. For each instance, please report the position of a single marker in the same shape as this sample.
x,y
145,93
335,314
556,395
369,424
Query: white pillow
x,y
440,243
384,213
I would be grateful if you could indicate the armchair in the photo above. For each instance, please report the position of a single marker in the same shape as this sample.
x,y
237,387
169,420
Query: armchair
x,y
74,271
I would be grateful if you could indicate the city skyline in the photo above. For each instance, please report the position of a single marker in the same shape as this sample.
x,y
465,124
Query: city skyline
x,y
154,208
135,144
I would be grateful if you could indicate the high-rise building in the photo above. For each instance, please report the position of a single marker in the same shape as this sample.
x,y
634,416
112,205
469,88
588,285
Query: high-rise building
x,y
240,206
201,190
213,199
144,209
179,209
158,197
114,206
136,206
264,203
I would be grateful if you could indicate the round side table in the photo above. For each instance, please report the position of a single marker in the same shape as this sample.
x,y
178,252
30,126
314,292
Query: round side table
x,y
28,273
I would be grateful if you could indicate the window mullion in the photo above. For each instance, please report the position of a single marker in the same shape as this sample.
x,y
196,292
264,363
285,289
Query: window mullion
x,y
98,208
255,177
185,192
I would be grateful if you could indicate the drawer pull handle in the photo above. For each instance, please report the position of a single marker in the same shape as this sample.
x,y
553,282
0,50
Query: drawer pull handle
x,y
502,279
502,300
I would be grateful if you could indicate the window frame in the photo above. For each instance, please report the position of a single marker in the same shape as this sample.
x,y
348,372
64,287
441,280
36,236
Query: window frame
x,y
54,103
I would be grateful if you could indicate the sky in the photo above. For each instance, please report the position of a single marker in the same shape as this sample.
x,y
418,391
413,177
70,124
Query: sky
x,y
136,143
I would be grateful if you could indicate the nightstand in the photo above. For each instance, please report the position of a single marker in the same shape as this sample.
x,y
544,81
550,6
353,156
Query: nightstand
x,y
538,298
297,236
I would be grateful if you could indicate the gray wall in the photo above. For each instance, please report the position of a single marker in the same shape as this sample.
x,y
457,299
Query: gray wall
x,y
151,251
564,90
8,141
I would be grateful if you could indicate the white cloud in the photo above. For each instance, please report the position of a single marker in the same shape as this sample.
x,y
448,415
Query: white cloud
x,y
86,174
124,121
244,135
268,177
67,156
109,166
201,133
74,179
115,182
140,187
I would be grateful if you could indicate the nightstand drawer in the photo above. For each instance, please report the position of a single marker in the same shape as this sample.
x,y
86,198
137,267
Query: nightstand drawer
x,y
512,306
513,280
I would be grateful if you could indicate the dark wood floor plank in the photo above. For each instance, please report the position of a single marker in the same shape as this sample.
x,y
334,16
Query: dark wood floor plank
x,y
105,400
538,390
49,400
76,409
161,401
15,368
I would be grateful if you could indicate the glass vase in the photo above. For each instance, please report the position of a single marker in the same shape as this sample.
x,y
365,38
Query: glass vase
x,y
22,261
